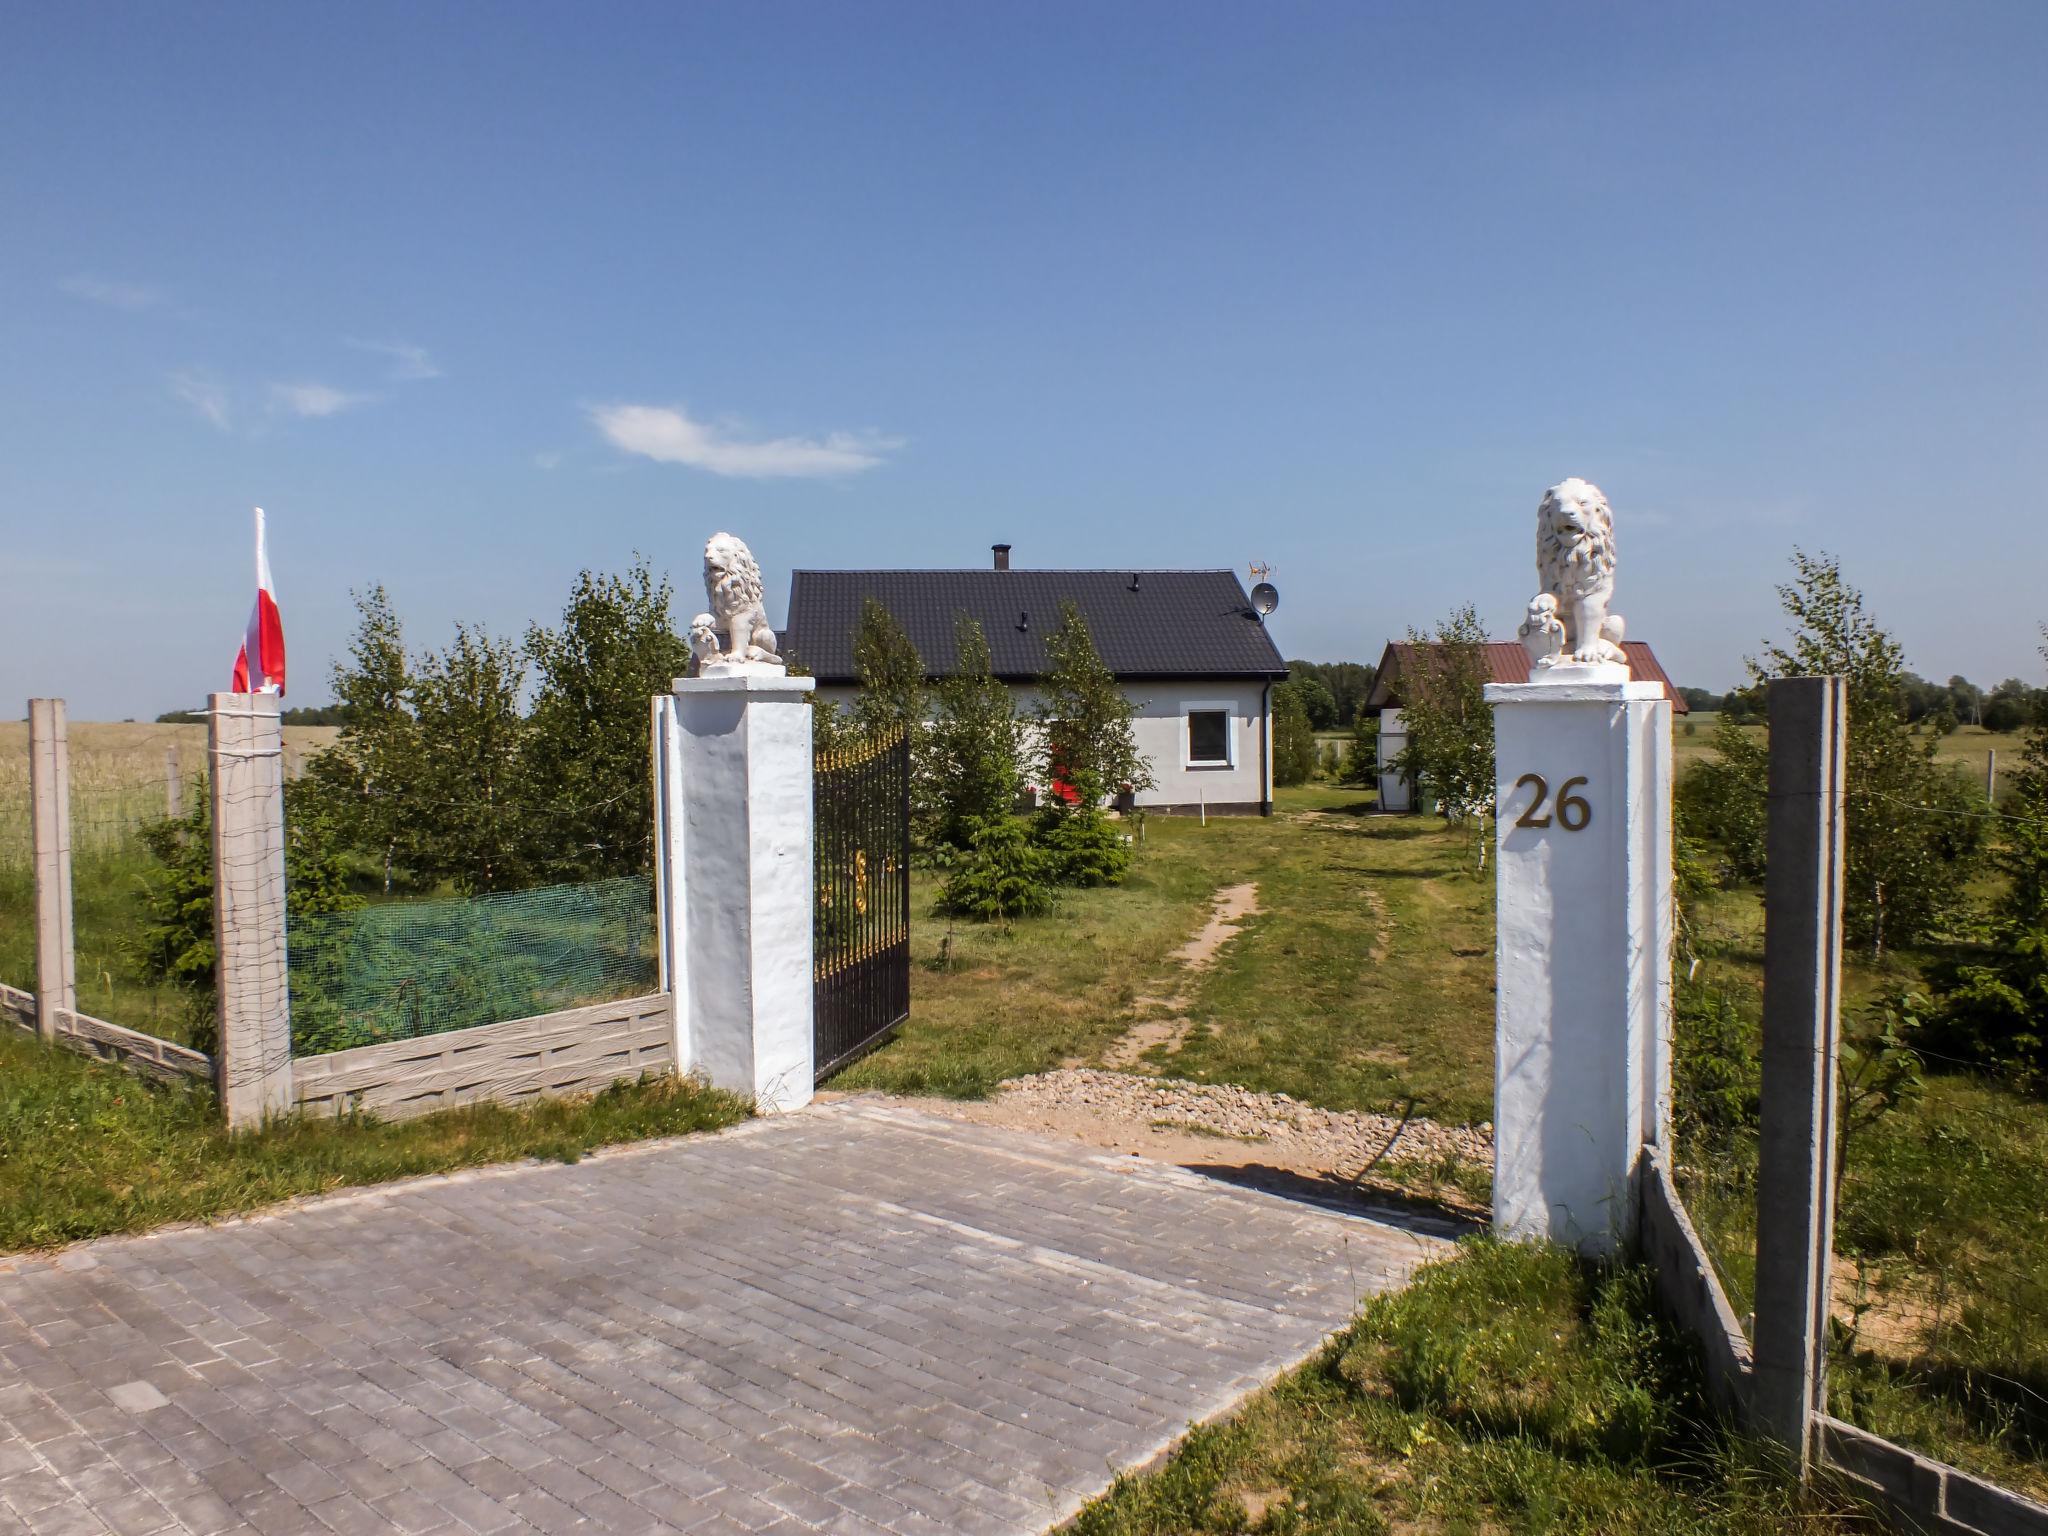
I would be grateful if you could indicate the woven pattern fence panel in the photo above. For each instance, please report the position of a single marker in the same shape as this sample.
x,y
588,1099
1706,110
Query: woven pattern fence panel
x,y
401,970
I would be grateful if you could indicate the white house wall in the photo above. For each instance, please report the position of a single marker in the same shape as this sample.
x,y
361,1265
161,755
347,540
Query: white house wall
x,y
1160,729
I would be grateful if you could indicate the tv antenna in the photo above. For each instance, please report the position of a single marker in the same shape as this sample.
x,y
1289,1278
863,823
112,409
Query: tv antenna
x,y
1265,596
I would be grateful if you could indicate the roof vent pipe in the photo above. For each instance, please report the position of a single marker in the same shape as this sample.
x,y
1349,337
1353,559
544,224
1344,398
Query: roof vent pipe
x,y
1023,620
1134,581
1002,553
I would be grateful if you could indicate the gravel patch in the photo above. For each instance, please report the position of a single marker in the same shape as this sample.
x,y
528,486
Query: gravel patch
x,y
1336,1140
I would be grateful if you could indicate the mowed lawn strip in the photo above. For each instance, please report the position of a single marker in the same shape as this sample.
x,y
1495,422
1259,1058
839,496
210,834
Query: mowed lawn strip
x,y
1507,1390
1363,982
88,1149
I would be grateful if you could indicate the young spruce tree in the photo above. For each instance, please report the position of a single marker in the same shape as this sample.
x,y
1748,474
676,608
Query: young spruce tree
x,y
975,750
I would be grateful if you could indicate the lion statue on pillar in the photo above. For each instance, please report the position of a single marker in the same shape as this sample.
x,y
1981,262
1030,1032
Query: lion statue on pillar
x,y
732,581
1575,564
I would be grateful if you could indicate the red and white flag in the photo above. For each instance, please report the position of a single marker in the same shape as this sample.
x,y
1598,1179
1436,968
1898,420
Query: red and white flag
x,y
259,665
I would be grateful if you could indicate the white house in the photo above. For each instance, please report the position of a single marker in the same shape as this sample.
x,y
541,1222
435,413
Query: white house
x,y
1186,646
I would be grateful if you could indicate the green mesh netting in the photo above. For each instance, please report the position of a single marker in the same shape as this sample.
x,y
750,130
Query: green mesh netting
x,y
402,969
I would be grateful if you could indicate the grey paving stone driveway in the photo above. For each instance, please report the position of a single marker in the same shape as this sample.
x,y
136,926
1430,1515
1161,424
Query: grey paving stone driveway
x,y
861,1318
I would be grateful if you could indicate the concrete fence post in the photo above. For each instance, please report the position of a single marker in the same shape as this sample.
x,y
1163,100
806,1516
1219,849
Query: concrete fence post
x,y
1582,950
49,776
671,920
1795,1195
245,756
743,908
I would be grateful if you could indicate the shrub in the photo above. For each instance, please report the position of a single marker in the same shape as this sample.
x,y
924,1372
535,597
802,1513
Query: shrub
x,y
1716,1068
1083,847
1004,875
1993,1012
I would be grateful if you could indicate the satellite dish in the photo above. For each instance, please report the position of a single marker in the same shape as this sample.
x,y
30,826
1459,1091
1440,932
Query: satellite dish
x,y
1265,598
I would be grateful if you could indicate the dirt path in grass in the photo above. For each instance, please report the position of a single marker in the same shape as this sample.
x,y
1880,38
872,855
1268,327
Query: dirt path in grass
x,y
1237,1134
1228,910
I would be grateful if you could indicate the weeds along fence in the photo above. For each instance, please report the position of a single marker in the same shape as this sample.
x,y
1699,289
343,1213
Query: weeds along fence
x,y
1928,1348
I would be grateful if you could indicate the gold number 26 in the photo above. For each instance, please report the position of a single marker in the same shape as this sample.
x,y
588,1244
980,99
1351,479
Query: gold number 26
x,y
1574,813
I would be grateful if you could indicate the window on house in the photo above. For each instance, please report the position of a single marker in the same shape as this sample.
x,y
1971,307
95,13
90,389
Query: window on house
x,y
1208,737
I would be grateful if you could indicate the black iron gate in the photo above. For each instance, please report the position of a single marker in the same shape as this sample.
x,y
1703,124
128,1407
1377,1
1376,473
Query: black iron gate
x,y
860,930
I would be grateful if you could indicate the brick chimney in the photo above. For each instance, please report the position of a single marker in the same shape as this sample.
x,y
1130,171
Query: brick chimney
x,y
1002,553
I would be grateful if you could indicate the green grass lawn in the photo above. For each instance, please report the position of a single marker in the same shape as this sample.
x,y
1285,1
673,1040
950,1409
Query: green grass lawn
x,y
1507,1390
87,1148
1364,982
107,914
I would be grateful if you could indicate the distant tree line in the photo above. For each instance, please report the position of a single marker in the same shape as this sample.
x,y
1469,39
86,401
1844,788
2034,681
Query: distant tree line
x,y
319,714
1940,707
1331,692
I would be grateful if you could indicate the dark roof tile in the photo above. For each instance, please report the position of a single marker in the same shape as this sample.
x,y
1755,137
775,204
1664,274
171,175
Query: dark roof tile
x,y
1144,623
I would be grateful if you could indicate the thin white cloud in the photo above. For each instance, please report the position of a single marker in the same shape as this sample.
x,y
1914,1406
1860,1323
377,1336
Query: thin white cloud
x,y
669,435
548,460
314,399
407,360
114,295
204,395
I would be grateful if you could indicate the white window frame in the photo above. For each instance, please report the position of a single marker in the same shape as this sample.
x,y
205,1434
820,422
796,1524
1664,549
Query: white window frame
x,y
1225,707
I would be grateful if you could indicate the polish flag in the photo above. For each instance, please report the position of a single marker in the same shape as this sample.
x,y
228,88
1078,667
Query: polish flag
x,y
259,665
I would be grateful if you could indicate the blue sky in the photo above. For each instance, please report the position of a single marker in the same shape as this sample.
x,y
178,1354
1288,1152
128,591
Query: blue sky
x,y
472,297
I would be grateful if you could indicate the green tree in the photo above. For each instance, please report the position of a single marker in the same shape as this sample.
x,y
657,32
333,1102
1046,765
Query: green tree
x,y
1084,717
367,778
975,746
1320,704
892,677
1718,802
1911,841
1362,762
1450,726
1294,743
586,740
470,820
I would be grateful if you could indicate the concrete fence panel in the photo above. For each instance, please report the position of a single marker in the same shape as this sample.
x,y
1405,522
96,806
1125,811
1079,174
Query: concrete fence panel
x,y
89,1036
575,1051
1690,1290
1924,1494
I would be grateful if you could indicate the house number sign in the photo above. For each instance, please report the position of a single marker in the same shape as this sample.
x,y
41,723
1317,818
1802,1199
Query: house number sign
x,y
1574,813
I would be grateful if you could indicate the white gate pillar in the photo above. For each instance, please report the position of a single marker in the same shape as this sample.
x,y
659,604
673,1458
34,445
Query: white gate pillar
x,y
742,974
1583,949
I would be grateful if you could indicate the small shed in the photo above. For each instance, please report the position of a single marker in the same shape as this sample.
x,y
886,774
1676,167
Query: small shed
x,y
1507,661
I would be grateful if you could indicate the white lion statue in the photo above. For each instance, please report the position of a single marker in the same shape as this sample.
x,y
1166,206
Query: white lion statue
x,y
732,581
1575,563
